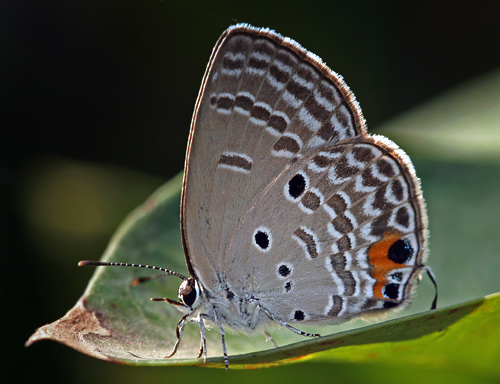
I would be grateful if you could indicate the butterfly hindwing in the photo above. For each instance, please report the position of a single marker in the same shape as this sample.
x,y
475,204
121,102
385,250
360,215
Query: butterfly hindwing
x,y
350,237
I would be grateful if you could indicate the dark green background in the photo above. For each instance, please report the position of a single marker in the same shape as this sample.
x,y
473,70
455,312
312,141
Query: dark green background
x,y
97,97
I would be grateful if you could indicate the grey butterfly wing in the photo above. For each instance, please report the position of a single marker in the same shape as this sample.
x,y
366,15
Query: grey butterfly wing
x,y
347,234
264,102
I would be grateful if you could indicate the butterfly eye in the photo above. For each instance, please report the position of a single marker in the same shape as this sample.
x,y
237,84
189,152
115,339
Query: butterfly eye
x,y
189,292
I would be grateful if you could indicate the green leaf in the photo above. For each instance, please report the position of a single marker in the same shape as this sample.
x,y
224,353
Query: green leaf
x,y
116,321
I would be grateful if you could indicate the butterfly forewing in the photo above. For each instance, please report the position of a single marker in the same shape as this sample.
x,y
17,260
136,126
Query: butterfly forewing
x,y
264,102
287,200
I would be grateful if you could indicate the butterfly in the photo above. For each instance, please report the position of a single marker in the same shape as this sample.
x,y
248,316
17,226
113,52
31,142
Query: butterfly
x,y
291,213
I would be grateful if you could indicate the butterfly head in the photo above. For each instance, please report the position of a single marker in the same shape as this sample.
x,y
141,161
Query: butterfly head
x,y
189,295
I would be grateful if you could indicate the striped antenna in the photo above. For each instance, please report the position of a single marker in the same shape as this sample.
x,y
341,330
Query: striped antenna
x,y
92,263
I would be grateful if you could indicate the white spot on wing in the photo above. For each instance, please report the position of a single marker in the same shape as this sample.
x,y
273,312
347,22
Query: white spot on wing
x,y
241,110
233,57
369,283
284,152
339,284
224,111
259,56
344,131
411,220
233,167
291,99
256,120
369,208
324,102
303,244
360,187
310,122
273,131
391,197
316,192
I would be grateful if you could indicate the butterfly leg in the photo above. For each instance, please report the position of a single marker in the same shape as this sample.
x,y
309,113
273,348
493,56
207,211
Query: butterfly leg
x,y
222,333
286,325
270,339
203,343
178,332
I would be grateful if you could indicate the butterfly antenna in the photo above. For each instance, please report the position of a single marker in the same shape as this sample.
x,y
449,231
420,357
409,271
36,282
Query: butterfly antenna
x,y
92,263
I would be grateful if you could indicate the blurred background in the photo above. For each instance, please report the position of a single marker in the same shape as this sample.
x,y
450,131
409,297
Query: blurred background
x,y
97,98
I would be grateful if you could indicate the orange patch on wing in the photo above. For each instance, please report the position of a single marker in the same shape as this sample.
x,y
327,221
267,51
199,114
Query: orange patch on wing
x,y
379,260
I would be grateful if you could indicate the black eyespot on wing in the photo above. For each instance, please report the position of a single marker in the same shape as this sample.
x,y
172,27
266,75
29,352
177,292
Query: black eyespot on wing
x,y
284,270
297,186
390,304
391,291
400,251
299,315
262,239
288,286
